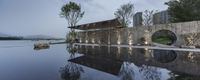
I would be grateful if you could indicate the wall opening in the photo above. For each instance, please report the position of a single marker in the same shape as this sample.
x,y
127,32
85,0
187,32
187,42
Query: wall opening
x,y
166,37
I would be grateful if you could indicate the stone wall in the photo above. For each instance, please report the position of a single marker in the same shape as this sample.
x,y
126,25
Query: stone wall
x,y
133,35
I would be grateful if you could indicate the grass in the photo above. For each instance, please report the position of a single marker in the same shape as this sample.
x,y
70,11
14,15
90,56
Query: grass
x,y
163,40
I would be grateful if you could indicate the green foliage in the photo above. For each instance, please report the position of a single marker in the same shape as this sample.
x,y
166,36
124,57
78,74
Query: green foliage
x,y
184,10
163,40
125,13
71,36
72,12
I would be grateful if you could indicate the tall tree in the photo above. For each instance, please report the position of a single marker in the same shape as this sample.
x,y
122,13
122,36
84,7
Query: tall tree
x,y
148,18
125,13
184,10
72,12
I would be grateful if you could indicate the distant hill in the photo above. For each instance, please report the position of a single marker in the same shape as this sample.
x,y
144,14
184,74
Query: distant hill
x,y
9,37
40,37
31,37
4,35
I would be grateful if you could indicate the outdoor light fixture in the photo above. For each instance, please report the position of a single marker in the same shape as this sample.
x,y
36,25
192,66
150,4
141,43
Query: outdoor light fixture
x,y
146,42
118,42
86,41
130,42
93,40
129,38
80,40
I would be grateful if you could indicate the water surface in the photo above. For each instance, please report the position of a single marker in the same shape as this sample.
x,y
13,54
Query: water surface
x,y
19,61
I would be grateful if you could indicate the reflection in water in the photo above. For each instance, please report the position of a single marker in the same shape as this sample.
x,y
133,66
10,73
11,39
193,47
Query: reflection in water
x,y
72,50
71,71
193,57
134,64
130,50
150,73
164,56
107,65
118,51
126,71
147,54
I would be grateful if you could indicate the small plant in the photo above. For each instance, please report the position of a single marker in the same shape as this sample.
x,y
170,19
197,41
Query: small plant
x,y
71,37
192,39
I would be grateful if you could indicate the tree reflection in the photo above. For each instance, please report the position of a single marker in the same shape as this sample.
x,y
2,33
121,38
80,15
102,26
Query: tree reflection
x,y
193,57
150,73
71,71
71,50
126,71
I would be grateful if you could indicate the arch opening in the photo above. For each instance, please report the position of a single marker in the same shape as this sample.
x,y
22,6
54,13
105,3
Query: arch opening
x,y
165,37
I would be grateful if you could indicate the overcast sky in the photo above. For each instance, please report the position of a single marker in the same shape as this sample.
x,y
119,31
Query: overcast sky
x,y
34,17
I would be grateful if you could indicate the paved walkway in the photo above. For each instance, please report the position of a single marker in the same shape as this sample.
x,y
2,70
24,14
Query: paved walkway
x,y
146,47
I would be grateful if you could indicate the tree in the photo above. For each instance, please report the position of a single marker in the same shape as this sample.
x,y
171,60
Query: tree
x,y
71,37
125,13
148,18
72,12
184,10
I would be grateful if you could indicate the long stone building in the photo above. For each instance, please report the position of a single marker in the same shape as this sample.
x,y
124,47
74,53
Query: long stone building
x,y
110,32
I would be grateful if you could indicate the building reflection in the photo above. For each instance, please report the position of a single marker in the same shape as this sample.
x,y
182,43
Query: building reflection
x,y
164,56
126,63
101,64
72,50
71,71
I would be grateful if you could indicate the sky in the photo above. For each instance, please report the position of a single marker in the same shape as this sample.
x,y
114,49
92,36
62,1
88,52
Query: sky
x,y
41,17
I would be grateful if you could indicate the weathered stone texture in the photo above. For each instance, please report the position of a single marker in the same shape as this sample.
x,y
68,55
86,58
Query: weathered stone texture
x,y
133,35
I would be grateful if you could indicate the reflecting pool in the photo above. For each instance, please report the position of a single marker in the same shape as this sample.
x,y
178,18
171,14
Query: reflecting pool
x,y
19,61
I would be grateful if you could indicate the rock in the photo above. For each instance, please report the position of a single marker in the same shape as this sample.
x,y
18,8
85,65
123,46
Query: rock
x,y
39,46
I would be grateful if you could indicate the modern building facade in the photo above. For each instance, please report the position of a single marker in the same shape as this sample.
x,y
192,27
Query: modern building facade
x,y
137,19
162,17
